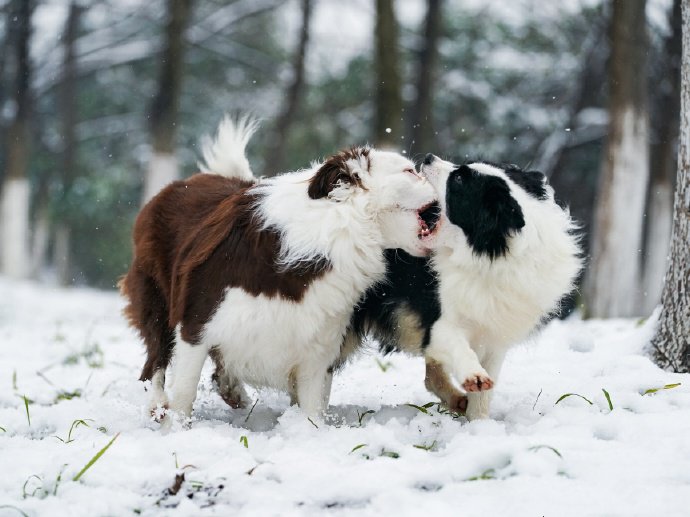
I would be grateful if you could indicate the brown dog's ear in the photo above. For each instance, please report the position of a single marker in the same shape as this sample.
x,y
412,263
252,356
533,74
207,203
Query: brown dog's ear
x,y
336,171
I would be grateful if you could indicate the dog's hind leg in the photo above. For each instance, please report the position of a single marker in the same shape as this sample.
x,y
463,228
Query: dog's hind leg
x,y
147,311
229,387
187,362
438,382
159,400
452,350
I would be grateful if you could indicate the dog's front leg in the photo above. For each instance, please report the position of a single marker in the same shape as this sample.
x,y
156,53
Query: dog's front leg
x,y
312,387
478,403
188,360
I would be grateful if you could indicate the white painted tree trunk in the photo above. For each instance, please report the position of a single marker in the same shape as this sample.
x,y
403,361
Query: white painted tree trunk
x,y
61,255
614,276
658,240
39,243
671,344
163,170
614,281
14,221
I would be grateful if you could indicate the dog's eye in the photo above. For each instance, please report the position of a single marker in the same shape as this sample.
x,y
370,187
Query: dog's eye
x,y
458,179
411,171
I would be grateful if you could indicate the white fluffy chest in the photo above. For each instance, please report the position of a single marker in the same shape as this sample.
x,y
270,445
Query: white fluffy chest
x,y
494,308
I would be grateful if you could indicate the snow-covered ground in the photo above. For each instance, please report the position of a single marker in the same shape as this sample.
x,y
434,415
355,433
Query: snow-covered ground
x,y
70,353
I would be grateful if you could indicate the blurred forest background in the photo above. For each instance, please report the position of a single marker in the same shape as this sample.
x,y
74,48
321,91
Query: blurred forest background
x,y
103,101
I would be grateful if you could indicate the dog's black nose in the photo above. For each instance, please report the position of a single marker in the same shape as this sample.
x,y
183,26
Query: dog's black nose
x,y
428,159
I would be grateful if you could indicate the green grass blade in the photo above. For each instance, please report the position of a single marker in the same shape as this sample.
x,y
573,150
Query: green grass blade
x,y
665,387
32,476
74,425
94,459
574,395
419,408
384,366
608,398
389,454
59,478
361,416
487,474
14,508
357,447
244,441
3,429
251,410
26,406
552,449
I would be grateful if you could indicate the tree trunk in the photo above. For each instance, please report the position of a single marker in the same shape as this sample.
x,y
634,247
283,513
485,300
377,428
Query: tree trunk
x,y
163,167
614,275
665,123
68,113
671,344
4,49
293,95
422,132
585,94
14,204
388,126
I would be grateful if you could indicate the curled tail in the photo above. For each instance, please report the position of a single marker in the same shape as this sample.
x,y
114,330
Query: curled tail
x,y
225,154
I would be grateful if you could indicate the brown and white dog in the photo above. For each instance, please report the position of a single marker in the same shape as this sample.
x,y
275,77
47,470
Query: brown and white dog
x,y
264,274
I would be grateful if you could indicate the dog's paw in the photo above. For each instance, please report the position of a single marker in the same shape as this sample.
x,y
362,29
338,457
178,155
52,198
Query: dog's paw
x,y
234,396
158,412
457,403
477,382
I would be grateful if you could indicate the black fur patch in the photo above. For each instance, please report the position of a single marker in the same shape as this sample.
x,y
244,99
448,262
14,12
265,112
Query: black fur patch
x,y
481,205
411,284
532,182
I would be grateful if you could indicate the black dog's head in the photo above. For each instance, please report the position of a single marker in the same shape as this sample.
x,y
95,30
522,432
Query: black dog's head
x,y
482,206
478,200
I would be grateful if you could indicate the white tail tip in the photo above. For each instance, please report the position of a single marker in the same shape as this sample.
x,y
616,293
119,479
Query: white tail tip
x,y
225,154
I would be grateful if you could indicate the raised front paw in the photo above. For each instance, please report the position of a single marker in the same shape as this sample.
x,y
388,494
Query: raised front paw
x,y
477,382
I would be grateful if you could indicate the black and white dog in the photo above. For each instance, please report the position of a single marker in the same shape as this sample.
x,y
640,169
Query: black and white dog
x,y
505,255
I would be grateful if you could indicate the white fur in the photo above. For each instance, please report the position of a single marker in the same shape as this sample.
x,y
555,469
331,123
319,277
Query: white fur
x,y
274,342
225,154
489,305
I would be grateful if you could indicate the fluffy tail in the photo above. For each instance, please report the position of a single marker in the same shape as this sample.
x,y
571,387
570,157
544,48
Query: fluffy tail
x,y
225,154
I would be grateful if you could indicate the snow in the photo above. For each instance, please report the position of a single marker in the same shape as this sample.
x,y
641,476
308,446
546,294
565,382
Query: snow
x,y
631,461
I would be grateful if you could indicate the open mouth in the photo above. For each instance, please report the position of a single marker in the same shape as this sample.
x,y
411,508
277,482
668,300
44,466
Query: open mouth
x,y
428,217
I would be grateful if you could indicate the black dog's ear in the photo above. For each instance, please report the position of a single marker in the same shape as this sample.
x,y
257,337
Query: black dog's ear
x,y
509,216
499,218
336,171
532,182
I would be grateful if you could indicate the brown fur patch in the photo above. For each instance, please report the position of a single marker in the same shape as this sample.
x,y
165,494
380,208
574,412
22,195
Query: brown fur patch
x,y
336,170
193,240
438,381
